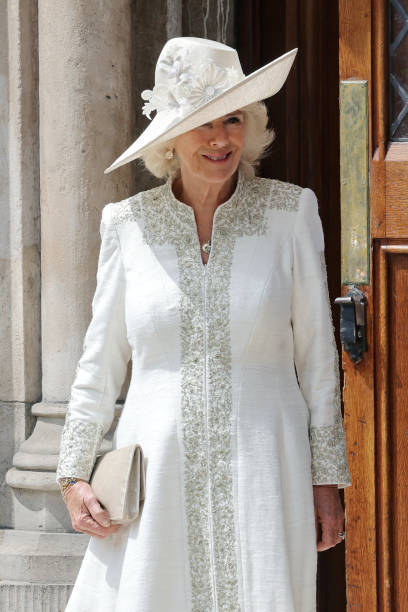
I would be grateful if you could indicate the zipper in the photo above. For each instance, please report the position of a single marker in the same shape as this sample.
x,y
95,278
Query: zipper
x,y
207,436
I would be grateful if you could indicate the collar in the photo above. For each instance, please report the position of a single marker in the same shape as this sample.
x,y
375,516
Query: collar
x,y
185,212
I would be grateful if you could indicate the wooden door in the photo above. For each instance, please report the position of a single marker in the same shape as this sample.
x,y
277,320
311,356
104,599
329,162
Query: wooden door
x,y
373,46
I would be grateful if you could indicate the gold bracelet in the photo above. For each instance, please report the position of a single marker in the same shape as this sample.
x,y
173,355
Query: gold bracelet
x,y
65,483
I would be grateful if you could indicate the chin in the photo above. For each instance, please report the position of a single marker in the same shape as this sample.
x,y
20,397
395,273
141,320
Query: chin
x,y
219,175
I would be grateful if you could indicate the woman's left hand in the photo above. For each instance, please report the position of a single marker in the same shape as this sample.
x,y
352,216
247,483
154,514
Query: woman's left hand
x,y
330,514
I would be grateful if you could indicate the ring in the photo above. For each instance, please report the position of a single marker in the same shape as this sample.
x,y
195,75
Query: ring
x,y
341,534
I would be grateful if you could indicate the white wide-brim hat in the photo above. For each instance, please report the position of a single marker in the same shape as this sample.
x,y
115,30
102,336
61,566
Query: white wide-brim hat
x,y
196,81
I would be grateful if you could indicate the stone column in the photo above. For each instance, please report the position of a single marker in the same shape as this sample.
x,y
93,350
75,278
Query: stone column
x,y
20,342
86,121
20,349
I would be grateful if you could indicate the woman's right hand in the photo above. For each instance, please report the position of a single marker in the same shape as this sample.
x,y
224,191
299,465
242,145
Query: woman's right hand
x,y
87,515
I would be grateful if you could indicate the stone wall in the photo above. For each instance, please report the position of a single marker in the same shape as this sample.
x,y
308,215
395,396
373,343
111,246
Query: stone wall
x,y
71,74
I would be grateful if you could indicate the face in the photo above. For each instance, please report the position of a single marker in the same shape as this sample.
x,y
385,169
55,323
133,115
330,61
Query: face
x,y
212,152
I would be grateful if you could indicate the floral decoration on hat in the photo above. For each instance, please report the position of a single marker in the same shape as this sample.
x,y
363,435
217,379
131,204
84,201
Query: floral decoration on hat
x,y
184,89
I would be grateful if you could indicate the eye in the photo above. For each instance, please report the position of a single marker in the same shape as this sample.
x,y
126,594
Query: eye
x,y
234,119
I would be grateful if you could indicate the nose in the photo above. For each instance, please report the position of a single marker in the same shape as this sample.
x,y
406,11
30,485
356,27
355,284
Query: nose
x,y
219,136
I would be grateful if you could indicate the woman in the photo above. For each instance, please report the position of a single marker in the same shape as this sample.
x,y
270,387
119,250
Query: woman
x,y
215,285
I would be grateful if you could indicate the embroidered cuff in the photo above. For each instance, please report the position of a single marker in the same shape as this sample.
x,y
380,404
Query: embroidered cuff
x,y
80,441
329,458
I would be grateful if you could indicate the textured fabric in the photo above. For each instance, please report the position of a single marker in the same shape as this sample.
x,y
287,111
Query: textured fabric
x,y
234,398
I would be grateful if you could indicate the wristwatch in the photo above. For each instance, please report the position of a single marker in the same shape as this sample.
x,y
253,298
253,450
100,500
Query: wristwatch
x,y
65,483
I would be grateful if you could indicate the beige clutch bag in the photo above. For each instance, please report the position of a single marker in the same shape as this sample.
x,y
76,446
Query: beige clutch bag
x,y
118,480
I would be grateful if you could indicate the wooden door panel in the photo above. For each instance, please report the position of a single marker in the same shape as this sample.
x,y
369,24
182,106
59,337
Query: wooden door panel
x,y
391,263
396,211
398,326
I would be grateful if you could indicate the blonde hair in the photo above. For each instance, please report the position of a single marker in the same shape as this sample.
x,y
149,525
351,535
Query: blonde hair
x,y
257,140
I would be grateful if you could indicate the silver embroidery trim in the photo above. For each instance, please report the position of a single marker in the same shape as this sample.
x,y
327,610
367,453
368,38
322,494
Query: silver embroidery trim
x,y
329,459
328,445
164,222
207,462
80,441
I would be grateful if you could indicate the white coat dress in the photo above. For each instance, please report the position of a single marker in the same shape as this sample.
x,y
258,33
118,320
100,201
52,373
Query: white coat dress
x,y
234,397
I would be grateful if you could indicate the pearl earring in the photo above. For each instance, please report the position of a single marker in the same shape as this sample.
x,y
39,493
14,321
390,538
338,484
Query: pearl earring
x,y
169,154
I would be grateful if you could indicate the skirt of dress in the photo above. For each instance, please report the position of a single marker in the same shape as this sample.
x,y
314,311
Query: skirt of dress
x,y
146,566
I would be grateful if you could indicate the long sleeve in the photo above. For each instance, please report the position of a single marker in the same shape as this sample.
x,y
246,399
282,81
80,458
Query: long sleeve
x,y
102,367
315,350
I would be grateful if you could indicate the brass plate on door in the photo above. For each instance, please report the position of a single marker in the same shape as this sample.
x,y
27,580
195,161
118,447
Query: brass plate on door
x,y
354,183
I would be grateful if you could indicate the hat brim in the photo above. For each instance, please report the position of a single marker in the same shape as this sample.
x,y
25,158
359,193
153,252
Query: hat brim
x,y
259,85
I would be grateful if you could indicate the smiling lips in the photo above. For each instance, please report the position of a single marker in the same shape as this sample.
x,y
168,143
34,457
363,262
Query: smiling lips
x,y
218,158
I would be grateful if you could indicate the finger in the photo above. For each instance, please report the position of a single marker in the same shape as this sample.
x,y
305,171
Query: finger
x,y
103,533
87,524
327,535
329,538
84,522
93,535
96,535
95,509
